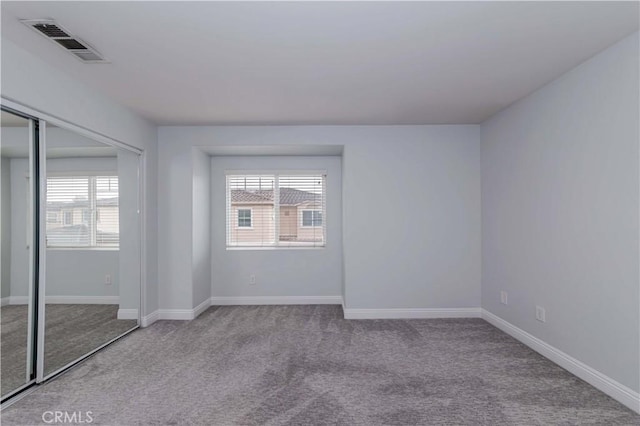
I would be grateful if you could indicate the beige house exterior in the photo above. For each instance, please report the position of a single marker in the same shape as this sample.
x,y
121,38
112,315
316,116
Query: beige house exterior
x,y
252,217
68,224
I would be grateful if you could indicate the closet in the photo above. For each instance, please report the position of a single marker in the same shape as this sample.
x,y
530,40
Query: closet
x,y
71,245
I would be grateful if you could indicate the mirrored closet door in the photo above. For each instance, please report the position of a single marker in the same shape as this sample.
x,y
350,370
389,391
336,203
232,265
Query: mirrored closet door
x,y
92,286
17,316
71,246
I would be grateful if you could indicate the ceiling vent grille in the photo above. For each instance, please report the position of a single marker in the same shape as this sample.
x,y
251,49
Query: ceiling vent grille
x,y
63,38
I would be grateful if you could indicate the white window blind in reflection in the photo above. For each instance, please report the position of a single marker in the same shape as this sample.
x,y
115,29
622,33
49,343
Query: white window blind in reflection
x,y
82,211
293,218
107,211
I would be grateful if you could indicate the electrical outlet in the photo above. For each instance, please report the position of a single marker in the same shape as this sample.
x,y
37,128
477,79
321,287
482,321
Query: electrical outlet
x,y
252,279
504,298
541,314
107,279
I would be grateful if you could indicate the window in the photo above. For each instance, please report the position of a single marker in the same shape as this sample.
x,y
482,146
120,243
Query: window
x,y
311,218
256,217
68,218
89,207
244,218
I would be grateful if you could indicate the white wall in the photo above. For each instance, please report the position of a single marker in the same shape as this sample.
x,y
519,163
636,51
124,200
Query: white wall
x,y
433,171
129,221
279,272
201,239
175,202
30,81
425,252
5,230
560,197
18,138
343,290
19,251
81,273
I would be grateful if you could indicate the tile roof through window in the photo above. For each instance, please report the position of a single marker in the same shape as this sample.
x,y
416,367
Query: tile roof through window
x,y
288,196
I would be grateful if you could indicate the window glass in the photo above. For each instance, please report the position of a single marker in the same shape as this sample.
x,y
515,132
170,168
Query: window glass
x,y
244,218
255,218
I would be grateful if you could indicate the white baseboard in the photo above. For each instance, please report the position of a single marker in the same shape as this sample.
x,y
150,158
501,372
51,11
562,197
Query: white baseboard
x,y
201,308
411,313
276,300
73,300
85,300
183,314
615,390
18,300
190,314
5,301
127,314
175,314
147,320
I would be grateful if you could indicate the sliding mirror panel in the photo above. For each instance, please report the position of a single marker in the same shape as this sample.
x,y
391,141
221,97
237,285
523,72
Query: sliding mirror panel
x,y
16,265
92,285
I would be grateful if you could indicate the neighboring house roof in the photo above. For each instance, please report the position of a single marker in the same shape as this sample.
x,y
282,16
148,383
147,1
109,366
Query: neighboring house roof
x,y
288,196
242,196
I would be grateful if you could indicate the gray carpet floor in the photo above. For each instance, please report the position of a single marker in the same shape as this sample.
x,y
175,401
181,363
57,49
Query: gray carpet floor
x,y
13,347
70,332
306,365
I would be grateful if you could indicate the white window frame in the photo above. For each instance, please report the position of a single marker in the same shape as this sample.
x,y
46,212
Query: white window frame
x,y
302,225
238,218
276,204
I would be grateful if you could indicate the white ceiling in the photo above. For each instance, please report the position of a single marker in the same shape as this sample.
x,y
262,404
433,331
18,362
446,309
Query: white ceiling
x,y
323,62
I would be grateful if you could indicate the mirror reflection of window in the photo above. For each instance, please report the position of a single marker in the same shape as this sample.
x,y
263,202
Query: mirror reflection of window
x,y
90,209
93,281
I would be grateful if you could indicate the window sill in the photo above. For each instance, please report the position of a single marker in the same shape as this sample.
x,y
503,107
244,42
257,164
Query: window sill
x,y
84,248
251,248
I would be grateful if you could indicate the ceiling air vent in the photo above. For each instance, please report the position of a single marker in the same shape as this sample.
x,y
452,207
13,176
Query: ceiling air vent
x,y
63,38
